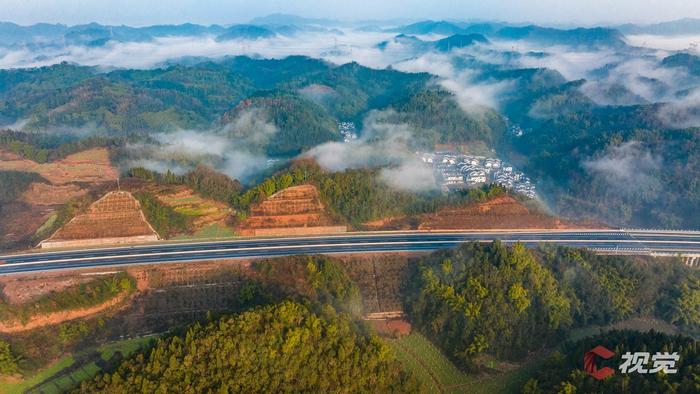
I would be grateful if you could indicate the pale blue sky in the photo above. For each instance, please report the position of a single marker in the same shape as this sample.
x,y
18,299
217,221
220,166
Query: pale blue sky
x,y
143,12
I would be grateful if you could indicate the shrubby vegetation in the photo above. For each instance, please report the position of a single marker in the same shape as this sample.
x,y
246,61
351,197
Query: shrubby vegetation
x,y
318,278
490,299
79,296
44,148
278,348
14,183
165,220
203,180
71,331
8,361
561,372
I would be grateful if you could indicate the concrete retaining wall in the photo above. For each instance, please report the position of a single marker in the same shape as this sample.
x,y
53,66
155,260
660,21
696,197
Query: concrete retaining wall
x,y
295,231
53,244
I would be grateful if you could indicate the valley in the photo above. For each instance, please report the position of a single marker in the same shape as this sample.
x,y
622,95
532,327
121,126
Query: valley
x,y
215,201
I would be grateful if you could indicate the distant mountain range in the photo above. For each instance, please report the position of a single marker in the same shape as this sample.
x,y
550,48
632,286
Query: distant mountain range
x,y
443,45
94,34
459,33
287,19
598,36
677,27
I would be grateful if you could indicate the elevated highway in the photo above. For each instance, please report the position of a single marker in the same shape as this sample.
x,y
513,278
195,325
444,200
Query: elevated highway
x,y
623,242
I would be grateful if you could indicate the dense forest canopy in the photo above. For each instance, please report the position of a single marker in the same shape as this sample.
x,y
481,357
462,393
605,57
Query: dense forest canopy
x,y
194,96
562,373
278,348
506,301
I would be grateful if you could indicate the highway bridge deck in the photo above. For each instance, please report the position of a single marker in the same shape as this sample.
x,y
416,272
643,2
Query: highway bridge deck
x,y
628,242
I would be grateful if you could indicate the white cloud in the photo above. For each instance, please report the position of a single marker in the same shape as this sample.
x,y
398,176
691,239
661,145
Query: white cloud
x,y
682,113
629,168
411,175
667,43
233,149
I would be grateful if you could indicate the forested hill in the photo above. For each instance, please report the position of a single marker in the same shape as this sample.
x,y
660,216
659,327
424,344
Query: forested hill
x,y
302,97
301,337
187,96
480,301
277,348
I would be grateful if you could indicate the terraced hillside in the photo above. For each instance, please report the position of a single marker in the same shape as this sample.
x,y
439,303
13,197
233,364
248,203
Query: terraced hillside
x,y
115,218
294,210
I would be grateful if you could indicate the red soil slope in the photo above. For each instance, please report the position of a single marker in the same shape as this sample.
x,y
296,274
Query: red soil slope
x,y
294,210
114,218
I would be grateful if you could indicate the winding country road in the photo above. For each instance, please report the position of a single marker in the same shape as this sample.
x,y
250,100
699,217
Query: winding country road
x,y
637,242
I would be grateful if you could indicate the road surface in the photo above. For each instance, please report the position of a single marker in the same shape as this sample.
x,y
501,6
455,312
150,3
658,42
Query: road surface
x,y
606,241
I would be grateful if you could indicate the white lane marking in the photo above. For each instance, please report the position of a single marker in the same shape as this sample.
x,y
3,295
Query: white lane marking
x,y
185,252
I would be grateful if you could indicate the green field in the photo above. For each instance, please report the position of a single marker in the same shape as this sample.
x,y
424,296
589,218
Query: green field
x,y
438,375
47,224
66,373
191,211
430,366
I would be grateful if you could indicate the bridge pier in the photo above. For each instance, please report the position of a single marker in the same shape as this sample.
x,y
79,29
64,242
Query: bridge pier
x,y
692,261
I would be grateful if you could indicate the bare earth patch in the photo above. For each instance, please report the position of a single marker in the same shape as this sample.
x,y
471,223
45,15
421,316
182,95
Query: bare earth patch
x,y
22,219
89,166
394,328
44,194
499,213
21,290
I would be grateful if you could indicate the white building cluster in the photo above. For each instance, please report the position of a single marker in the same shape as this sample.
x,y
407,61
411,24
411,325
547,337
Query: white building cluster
x,y
347,130
458,171
514,128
